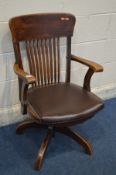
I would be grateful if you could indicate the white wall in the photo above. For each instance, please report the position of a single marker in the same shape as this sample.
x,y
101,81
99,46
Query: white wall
x,y
94,38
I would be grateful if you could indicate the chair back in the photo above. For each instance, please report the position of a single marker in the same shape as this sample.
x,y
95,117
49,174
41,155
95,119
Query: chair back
x,y
41,34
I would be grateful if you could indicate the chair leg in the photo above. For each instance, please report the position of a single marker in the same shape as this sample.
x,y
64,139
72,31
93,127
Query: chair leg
x,y
26,124
42,150
77,137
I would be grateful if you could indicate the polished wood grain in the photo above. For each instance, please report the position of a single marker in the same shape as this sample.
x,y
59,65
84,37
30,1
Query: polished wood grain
x,y
27,124
36,62
47,61
58,55
40,61
77,137
35,25
68,59
51,58
92,65
64,130
44,60
25,80
42,149
41,35
29,56
24,75
87,80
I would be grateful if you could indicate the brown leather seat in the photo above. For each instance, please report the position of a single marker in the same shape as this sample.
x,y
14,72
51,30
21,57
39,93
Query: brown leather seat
x,y
63,103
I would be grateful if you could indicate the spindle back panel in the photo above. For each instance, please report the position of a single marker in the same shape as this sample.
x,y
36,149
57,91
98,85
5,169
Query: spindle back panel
x,y
41,35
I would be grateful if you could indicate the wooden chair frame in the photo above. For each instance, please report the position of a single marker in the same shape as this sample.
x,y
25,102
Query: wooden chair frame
x,y
64,28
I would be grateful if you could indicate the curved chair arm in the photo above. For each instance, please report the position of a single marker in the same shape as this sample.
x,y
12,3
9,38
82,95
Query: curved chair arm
x,y
93,67
27,78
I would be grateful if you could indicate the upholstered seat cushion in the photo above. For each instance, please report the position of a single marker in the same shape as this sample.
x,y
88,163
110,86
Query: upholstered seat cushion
x,y
63,103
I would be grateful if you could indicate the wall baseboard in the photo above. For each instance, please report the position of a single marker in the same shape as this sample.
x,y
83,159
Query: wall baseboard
x,y
10,115
106,92
13,114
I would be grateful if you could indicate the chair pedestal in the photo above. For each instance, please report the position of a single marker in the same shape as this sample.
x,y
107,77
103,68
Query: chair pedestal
x,y
42,149
50,133
77,137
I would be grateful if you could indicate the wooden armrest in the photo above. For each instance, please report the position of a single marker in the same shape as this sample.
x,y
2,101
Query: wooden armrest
x,y
29,79
92,65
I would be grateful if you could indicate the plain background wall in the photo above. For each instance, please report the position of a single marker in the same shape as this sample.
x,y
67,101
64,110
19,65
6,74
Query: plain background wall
x,y
94,38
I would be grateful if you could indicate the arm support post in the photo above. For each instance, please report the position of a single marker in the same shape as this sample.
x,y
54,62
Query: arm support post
x,y
93,67
26,79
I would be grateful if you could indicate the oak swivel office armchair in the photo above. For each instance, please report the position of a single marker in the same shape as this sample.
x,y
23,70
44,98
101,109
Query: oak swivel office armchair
x,y
51,103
